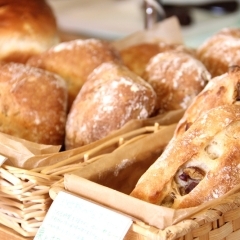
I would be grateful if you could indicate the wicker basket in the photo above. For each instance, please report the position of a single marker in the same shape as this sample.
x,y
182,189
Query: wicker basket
x,y
218,222
25,197
221,222
24,194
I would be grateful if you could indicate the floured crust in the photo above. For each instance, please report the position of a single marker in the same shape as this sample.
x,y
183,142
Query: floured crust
x,y
177,78
137,56
212,147
220,90
220,51
74,60
111,96
33,104
27,28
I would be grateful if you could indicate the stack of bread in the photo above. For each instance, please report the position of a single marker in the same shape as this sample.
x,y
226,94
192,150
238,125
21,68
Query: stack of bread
x,y
32,101
76,92
79,91
202,160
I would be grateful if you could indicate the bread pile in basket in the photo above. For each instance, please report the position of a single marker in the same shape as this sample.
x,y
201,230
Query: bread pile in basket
x,y
202,160
76,92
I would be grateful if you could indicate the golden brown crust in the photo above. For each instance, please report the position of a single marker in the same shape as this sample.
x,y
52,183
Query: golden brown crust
x,y
75,60
32,104
111,96
211,147
220,90
137,56
27,28
220,51
177,78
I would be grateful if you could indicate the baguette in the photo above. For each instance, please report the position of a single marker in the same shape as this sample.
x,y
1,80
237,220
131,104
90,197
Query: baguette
x,y
200,165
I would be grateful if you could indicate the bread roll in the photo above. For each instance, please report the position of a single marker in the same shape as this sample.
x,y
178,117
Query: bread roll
x,y
201,165
26,28
137,56
177,78
111,96
220,51
221,90
32,104
74,60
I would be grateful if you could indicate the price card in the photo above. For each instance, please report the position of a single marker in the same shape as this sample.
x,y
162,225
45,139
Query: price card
x,y
74,218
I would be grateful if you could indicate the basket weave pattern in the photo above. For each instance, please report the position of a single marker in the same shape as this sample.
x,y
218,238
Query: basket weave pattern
x,y
219,223
25,199
24,194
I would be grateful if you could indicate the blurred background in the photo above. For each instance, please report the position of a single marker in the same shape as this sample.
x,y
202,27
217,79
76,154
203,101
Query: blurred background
x,y
115,19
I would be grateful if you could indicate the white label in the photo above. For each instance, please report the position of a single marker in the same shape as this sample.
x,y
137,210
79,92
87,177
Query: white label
x,y
74,218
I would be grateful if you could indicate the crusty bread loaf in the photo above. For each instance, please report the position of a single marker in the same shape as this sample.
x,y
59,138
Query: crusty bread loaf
x,y
32,104
137,56
208,167
201,165
220,51
221,90
26,28
111,96
177,78
74,60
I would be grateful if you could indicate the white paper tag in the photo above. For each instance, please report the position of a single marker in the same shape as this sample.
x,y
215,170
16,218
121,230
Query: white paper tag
x,y
74,218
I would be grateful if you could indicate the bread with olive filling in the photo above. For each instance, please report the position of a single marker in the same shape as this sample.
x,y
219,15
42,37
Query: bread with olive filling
x,y
202,164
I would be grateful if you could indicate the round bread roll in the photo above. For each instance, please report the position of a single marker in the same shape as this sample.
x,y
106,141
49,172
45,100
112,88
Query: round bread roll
x,y
74,60
111,97
137,56
220,51
177,78
27,28
33,104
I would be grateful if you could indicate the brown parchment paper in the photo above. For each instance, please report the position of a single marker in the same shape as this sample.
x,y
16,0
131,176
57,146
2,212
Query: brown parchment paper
x,y
18,150
168,30
110,142
121,169
153,215
29,155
